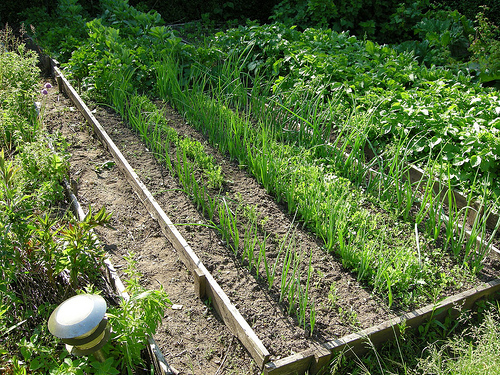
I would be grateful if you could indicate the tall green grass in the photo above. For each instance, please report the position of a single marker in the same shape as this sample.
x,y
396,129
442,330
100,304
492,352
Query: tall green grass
x,y
306,178
467,344
312,174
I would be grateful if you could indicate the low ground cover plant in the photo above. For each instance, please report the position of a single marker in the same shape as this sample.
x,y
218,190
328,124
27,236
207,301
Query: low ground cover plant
x,y
459,345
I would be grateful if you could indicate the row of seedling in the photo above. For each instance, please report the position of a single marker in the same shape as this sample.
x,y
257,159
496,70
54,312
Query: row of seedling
x,y
356,219
288,172
326,121
243,234
386,176
323,126
253,246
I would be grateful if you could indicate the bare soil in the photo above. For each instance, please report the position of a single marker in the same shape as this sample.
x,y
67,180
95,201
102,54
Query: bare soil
x,y
193,338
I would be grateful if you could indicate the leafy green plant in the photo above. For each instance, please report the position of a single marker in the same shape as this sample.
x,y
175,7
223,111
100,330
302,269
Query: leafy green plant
x,y
372,18
59,33
134,319
444,37
485,46
82,253
18,89
42,170
333,296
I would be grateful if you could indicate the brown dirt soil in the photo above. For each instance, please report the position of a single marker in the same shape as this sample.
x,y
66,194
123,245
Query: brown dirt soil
x,y
193,338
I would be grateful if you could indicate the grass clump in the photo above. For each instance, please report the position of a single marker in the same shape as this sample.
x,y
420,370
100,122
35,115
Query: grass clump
x,y
475,351
467,344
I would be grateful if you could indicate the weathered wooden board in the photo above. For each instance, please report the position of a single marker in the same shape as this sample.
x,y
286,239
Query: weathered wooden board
x,y
312,360
355,344
200,283
297,363
228,312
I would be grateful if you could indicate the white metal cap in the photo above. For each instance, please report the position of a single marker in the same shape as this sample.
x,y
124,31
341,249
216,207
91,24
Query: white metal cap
x,y
77,316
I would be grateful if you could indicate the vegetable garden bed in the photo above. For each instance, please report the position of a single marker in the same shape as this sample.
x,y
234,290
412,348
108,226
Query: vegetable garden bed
x,y
420,188
274,324
190,334
347,311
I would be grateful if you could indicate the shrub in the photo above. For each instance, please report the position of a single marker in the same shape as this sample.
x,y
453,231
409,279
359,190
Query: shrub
x,y
59,32
381,20
485,48
176,11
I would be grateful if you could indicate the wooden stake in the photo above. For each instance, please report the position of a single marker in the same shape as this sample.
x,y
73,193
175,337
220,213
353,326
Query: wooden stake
x,y
200,283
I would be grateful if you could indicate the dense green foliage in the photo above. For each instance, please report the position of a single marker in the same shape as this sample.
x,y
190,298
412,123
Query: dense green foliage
x,y
121,37
442,111
59,32
322,62
10,11
18,88
471,8
387,21
486,49
316,93
384,19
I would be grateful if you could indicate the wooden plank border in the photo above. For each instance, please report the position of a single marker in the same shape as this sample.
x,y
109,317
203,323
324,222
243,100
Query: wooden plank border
x,y
356,342
227,311
362,341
